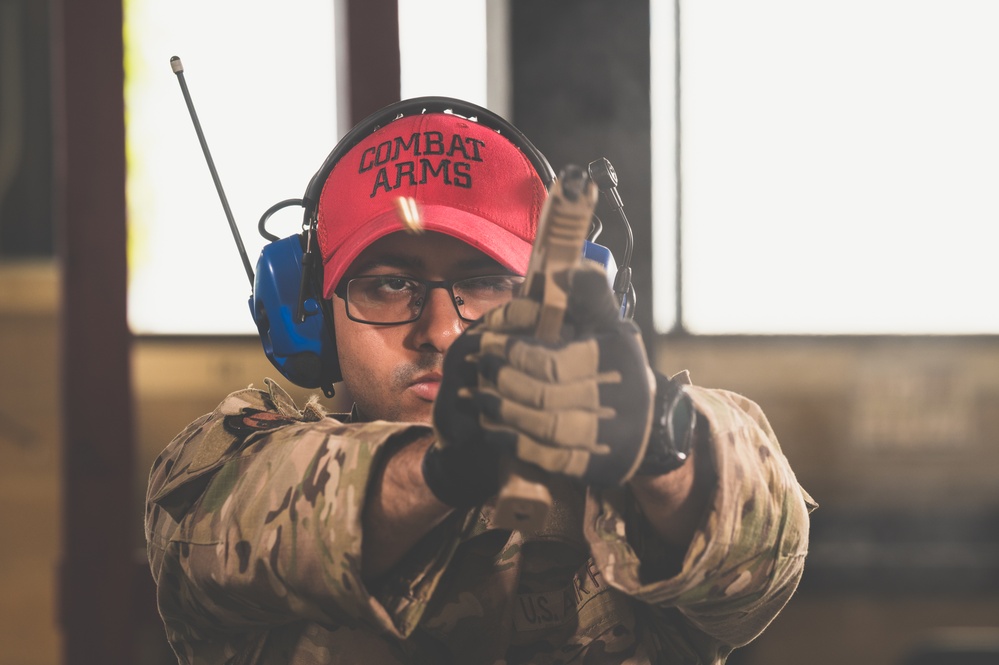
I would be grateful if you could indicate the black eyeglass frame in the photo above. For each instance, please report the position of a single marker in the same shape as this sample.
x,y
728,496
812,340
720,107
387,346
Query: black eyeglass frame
x,y
448,284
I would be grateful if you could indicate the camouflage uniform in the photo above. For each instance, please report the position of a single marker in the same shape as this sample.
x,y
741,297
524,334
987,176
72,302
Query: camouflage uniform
x,y
253,524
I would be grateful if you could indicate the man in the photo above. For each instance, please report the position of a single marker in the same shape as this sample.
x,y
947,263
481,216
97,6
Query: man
x,y
282,535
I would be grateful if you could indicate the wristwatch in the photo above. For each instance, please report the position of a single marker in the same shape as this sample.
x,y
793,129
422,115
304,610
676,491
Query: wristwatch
x,y
673,421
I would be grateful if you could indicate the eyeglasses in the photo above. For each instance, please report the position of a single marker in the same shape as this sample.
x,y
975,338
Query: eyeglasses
x,y
393,299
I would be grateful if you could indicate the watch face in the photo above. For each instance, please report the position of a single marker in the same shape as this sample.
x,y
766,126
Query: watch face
x,y
680,424
672,433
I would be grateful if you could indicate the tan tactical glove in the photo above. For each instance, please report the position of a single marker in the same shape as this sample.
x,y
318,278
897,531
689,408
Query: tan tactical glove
x,y
581,407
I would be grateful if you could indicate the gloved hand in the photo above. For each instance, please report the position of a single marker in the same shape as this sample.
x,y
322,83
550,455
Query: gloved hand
x,y
581,407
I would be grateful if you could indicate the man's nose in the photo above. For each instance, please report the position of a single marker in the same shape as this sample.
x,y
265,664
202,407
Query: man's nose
x,y
439,324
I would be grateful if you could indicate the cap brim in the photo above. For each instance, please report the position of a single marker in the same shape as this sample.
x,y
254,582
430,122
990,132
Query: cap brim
x,y
510,251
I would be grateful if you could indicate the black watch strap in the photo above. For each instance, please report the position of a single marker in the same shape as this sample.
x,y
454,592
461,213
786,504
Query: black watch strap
x,y
673,421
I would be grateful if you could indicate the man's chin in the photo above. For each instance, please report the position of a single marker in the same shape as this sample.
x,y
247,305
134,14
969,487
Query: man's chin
x,y
422,414
414,411
406,406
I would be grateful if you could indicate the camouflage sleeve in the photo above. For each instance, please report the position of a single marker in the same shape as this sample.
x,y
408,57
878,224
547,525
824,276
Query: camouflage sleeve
x,y
253,518
745,559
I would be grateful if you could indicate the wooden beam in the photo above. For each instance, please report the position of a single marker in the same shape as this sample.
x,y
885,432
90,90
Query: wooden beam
x,y
99,521
373,53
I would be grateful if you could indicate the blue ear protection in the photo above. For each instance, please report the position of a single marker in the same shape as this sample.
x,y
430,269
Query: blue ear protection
x,y
294,321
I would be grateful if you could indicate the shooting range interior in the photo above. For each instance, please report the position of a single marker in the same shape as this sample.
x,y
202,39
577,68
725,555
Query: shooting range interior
x,y
811,190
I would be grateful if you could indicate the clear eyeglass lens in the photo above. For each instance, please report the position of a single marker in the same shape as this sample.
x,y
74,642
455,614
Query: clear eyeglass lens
x,y
477,295
387,299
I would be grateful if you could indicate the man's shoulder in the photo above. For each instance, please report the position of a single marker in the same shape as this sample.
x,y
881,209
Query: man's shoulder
x,y
197,452
248,419
271,398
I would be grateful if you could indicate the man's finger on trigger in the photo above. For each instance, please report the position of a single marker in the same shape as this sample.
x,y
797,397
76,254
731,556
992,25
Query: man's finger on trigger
x,y
515,385
575,361
568,428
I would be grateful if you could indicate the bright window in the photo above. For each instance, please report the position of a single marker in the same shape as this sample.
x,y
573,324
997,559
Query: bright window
x,y
428,69
839,166
664,155
263,81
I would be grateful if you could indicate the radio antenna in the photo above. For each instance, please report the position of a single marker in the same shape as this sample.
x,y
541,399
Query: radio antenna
x,y
178,69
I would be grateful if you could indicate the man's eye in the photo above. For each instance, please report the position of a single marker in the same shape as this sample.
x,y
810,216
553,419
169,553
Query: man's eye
x,y
395,284
391,287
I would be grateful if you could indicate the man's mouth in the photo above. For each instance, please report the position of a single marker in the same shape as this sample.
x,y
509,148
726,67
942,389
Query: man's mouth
x,y
426,386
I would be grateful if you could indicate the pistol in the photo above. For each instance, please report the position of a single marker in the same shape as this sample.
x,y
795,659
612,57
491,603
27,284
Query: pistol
x,y
524,499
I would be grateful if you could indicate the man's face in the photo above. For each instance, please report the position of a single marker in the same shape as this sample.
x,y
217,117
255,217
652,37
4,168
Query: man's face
x,y
393,372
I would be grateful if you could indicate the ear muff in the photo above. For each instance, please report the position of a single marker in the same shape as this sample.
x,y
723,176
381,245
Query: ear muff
x,y
295,328
294,321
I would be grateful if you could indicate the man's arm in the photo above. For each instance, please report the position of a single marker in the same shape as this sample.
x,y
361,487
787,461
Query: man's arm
x,y
255,517
743,560
400,510
674,503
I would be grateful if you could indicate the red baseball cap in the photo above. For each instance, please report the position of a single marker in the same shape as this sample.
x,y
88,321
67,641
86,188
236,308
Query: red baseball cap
x,y
466,180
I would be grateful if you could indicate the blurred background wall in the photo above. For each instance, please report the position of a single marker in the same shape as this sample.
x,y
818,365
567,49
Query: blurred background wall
x,y
905,545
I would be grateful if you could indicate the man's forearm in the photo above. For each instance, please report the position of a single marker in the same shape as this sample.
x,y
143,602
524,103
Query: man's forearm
x,y
400,510
674,503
